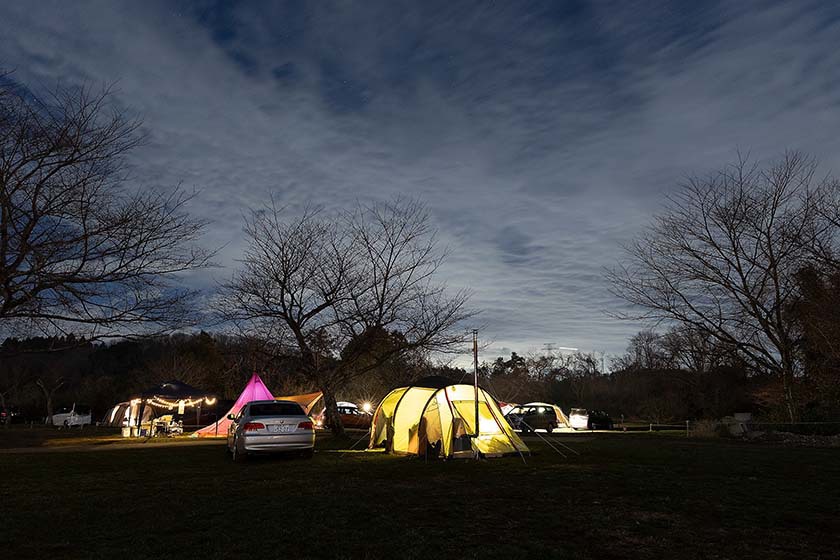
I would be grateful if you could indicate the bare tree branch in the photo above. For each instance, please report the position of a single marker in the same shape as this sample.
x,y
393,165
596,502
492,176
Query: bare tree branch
x,y
722,258
79,248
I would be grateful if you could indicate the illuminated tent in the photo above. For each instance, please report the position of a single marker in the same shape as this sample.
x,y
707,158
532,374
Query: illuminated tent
x,y
171,397
562,419
306,401
255,390
435,417
127,414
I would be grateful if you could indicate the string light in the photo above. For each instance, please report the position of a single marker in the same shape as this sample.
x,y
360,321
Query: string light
x,y
163,403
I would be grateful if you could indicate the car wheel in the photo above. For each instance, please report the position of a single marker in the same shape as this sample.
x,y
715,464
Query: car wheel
x,y
549,428
238,456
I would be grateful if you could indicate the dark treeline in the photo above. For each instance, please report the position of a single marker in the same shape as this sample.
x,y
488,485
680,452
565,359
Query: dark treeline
x,y
653,393
37,379
650,382
685,374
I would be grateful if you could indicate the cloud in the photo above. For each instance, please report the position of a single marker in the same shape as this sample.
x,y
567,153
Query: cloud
x,y
541,136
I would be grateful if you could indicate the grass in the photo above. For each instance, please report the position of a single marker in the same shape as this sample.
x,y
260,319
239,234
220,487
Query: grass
x,y
626,495
39,435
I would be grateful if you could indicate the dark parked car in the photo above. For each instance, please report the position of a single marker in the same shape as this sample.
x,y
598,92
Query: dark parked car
x,y
351,416
530,417
582,419
600,420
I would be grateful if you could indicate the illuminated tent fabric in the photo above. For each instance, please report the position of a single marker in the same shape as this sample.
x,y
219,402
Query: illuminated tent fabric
x,y
435,417
562,419
255,390
306,401
168,397
126,414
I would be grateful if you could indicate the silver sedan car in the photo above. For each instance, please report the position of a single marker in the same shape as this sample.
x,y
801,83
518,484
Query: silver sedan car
x,y
270,426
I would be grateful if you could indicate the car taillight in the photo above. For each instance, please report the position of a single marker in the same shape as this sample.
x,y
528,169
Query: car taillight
x,y
305,425
254,426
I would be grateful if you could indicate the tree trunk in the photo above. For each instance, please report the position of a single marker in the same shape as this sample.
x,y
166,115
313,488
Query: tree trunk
x,y
787,382
787,385
48,396
331,416
49,419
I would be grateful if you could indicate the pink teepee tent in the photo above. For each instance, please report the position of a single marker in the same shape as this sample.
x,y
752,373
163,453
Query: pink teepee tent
x,y
255,390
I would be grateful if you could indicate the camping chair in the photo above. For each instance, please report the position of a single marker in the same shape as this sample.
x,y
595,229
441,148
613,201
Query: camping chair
x,y
175,429
160,425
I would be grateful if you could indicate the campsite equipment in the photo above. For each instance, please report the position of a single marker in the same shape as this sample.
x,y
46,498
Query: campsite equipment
x,y
307,401
125,414
436,417
173,397
255,390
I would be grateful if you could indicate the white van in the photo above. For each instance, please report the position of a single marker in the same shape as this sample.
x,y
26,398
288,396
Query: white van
x,y
73,416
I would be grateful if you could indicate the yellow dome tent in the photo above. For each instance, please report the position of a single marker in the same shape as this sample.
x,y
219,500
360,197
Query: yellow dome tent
x,y
435,417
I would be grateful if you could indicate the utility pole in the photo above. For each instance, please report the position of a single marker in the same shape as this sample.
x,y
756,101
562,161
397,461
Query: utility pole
x,y
475,377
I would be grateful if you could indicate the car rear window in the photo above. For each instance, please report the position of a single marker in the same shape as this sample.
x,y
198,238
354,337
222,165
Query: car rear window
x,y
276,409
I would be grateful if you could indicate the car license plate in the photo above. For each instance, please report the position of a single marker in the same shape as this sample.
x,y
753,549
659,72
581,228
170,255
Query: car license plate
x,y
281,428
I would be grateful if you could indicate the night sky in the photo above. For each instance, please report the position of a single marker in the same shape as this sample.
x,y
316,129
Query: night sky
x,y
541,135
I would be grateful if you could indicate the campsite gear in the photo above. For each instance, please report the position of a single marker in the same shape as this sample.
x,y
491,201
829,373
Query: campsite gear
x,y
307,401
412,420
270,426
166,425
125,414
255,390
139,414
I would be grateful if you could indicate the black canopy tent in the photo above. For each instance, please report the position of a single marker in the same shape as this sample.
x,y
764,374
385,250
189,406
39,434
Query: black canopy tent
x,y
174,395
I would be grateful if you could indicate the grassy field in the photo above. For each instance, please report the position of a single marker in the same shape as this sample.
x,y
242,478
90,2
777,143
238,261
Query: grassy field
x,y
626,495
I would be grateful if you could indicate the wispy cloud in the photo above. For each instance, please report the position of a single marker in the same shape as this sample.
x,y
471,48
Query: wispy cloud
x,y
541,135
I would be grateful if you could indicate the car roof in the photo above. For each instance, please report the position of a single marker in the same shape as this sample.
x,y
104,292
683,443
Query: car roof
x,y
267,401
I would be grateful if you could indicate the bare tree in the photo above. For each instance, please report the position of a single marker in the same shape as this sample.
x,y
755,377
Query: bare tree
x,y
722,259
346,292
696,351
644,351
79,247
48,388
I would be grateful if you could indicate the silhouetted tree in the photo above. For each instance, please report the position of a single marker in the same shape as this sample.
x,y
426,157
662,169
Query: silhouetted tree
x,y
331,286
722,259
80,247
